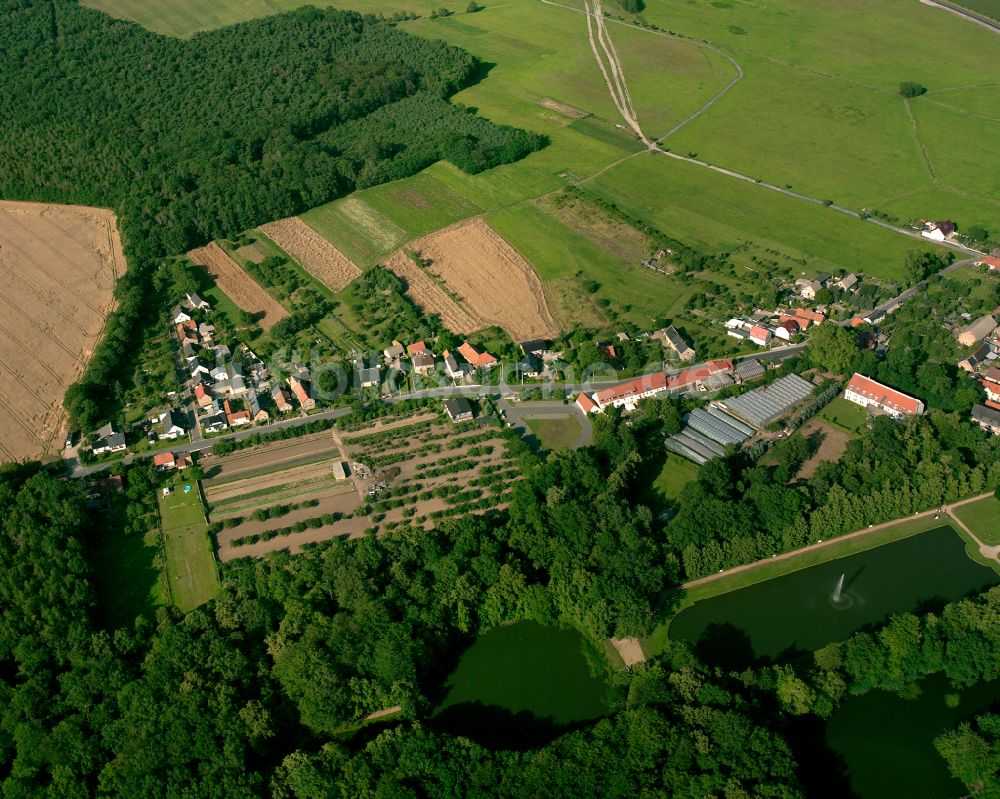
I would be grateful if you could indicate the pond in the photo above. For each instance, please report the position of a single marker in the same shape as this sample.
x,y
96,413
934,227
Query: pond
x,y
800,611
887,743
520,685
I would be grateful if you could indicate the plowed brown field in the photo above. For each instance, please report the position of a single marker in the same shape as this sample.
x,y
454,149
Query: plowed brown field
x,y
431,297
58,266
316,255
238,285
495,284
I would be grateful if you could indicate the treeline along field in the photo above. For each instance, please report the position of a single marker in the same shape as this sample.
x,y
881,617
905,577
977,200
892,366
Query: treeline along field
x,y
195,140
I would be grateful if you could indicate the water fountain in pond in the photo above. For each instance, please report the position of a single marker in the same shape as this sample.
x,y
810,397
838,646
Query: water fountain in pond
x,y
838,598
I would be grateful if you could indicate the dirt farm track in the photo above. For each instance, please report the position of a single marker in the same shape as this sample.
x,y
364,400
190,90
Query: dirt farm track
x,y
58,266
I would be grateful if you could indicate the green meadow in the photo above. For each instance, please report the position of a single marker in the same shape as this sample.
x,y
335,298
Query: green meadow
x,y
191,572
817,110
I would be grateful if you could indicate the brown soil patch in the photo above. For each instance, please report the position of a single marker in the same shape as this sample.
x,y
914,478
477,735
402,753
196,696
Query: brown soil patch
x,y
493,281
431,297
238,285
618,238
316,255
295,474
832,446
336,500
253,253
58,266
562,108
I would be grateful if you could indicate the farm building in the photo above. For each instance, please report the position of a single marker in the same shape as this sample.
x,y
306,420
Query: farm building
x,y
976,359
194,302
973,333
628,394
236,418
586,404
763,405
480,360
987,418
282,401
459,409
848,282
938,231
302,391
877,398
340,470
676,343
760,335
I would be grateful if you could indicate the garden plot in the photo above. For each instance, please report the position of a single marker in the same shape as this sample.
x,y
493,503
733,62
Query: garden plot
x,y
58,266
489,277
272,456
316,255
238,285
409,472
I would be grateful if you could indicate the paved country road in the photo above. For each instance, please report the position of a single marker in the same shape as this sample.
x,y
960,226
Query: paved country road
x,y
972,16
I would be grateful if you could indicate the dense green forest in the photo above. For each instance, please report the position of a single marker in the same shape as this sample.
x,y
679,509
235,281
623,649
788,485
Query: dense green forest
x,y
193,140
256,693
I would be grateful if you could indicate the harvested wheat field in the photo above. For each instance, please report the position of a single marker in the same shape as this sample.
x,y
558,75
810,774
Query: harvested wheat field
x,y
431,297
316,255
58,266
238,285
493,281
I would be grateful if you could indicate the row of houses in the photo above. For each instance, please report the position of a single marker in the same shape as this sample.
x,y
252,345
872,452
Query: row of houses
x,y
808,289
711,376
762,328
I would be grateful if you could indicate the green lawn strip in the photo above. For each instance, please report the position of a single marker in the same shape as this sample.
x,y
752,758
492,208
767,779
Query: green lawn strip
x,y
558,252
655,642
191,571
983,518
676,473
844,415
278,466
128,579
716,212
555,433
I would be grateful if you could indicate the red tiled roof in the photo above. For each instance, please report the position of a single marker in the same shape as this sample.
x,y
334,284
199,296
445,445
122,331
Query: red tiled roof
x,y
200,391
857,321
163,459
989,260
791,325
415,347
759,331
586,403
631,388
808,313
720,365
474,356
883,395
991,404
299,389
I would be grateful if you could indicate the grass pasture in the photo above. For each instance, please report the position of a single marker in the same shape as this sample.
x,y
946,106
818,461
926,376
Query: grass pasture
x,y
191,573
845,415
184,18
983,518
555,434
716,212
676,473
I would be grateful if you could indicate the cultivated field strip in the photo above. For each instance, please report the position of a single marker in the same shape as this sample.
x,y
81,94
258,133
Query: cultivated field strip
x,y
428,470
236,488
333,501
274,455
238,285
58,265
495,284
289,493
314,253
431,297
